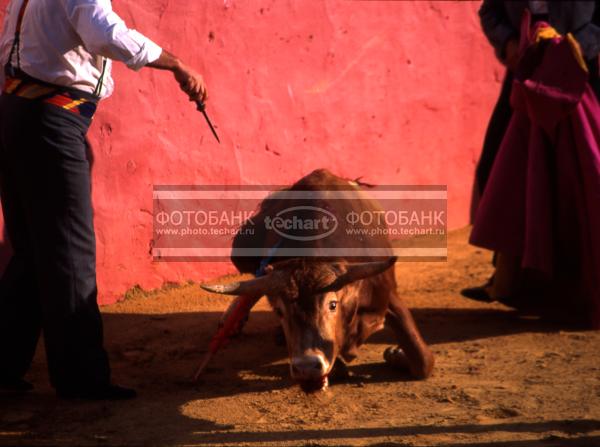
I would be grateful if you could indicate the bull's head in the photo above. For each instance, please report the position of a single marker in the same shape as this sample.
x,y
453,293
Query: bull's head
x,y
315,302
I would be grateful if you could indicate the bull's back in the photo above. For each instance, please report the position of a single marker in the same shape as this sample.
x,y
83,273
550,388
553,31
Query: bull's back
x,y
337,196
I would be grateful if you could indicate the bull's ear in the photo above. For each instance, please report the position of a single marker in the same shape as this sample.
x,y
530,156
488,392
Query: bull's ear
x,y
253,287
363,270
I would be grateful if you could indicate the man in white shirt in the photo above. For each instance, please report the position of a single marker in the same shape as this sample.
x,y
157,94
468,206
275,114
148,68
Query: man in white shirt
x,y
57,57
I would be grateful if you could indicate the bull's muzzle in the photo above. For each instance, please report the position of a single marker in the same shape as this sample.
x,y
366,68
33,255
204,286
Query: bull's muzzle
x,y
310,371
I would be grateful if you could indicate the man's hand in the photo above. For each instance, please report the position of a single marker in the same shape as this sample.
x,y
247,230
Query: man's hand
x,y
511,54
189,80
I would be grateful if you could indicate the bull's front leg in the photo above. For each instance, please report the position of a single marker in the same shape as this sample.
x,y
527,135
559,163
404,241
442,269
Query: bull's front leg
x,y
412,352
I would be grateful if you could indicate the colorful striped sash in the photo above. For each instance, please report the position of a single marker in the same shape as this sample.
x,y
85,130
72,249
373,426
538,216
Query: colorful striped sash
x,y
79,103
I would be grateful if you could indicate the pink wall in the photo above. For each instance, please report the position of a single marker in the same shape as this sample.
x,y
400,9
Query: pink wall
x,y
393,91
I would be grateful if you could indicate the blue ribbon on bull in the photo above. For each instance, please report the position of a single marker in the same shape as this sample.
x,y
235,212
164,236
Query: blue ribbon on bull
x,y
266,260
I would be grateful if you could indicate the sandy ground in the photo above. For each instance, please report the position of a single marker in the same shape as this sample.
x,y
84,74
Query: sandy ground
x,y
501,379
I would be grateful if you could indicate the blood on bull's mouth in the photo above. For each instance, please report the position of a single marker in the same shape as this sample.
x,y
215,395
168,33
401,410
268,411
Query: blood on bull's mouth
x,y
312,386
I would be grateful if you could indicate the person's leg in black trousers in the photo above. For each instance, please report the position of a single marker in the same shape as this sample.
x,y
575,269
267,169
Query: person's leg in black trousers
x,y
46,175
494,134
20,308
65,254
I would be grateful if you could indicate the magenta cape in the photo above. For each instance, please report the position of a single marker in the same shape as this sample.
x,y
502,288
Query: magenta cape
x,y
542,202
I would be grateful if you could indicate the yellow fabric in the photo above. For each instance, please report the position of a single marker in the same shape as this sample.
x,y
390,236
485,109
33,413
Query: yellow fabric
x,y
75,103
547,32
577,52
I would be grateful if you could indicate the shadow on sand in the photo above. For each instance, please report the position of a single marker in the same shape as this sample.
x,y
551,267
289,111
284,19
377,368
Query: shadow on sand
x,y
158,353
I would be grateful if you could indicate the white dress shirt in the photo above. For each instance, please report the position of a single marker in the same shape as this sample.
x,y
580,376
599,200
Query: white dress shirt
x,y
65,42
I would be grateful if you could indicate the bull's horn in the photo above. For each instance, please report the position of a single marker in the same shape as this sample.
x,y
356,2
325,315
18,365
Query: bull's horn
x,y
365,269
252,287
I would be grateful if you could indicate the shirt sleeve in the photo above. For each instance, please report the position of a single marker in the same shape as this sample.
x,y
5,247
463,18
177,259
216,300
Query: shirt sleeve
x,y
496,26
104,33
588,36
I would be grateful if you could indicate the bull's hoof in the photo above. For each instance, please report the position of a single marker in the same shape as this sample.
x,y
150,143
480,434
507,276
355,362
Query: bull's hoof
x,y
395,357
420,369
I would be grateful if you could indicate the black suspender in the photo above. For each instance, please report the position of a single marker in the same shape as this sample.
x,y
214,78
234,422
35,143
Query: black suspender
x,y
16,42
100,83
16,45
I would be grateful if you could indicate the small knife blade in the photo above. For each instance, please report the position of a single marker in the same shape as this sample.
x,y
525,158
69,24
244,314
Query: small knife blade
x,y
200,106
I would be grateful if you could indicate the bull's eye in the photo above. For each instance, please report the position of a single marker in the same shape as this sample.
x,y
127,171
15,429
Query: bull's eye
x,y
332,306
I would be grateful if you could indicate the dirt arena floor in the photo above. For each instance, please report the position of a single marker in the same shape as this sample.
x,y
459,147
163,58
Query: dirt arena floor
x,y
501,379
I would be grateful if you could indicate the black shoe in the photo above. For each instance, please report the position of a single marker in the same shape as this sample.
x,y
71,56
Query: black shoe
x,y
109,392
15,386
479,293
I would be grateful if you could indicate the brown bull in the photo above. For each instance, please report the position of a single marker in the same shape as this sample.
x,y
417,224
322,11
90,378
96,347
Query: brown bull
x,y
328,306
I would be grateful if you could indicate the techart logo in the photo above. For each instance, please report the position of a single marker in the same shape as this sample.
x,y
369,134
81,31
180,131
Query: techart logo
x,y
293,222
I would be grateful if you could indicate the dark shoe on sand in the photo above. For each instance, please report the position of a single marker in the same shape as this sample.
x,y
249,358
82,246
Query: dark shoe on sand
x,y
479,293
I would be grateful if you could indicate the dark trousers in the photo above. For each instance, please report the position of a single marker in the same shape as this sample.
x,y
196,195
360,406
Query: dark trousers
x,y
499,124
50,282
494,134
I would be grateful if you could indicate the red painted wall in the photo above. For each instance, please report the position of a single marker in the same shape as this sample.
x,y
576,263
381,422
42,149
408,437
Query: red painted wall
x,y
393,91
